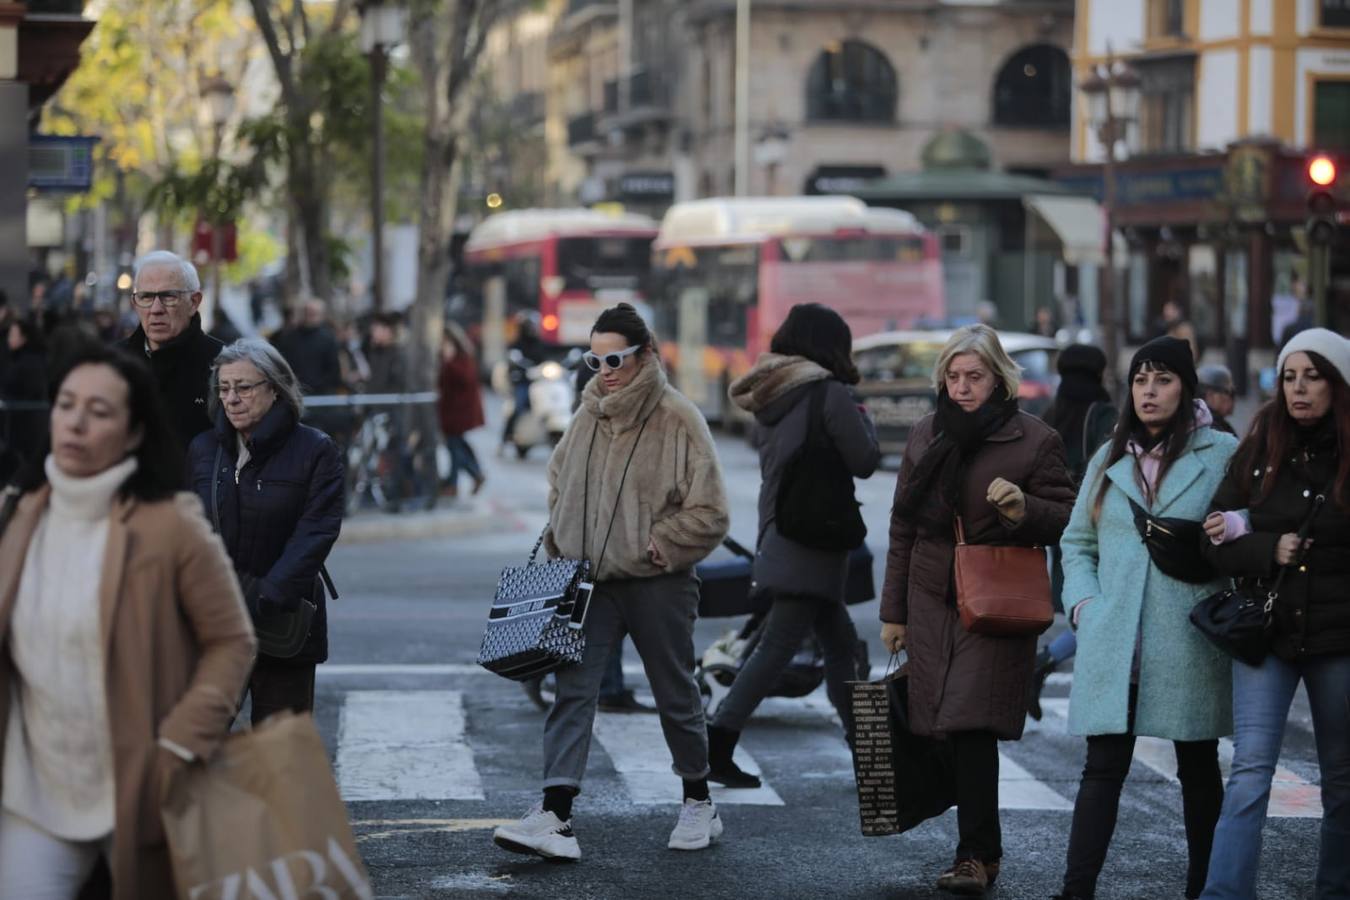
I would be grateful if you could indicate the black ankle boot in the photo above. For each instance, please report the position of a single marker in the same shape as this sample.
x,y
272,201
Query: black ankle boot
x,y
1044,666
722,769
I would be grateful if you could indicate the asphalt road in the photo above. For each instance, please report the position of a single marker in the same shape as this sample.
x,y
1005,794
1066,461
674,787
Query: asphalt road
x,y
431,753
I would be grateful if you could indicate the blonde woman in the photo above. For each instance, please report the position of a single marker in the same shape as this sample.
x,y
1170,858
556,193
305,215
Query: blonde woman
x,y
1004,473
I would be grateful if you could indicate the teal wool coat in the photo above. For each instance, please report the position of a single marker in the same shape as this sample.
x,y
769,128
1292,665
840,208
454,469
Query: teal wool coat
x,y
1185,683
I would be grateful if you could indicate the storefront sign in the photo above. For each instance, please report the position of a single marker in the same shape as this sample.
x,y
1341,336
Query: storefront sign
x,y
647,187
840,179
1148,188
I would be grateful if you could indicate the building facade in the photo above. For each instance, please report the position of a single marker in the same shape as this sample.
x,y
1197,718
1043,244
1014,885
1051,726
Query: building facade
x,y
1211,194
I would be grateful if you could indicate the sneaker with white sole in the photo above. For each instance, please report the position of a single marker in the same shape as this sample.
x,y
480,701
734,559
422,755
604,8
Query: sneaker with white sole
x,y
698,827
542,833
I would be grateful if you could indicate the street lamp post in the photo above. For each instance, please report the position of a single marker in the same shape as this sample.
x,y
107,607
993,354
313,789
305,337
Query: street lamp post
x,y
1113,97
219,96
382,26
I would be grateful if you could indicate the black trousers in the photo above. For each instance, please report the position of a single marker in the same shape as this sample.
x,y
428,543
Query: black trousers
x,y
1095,810
277,684
981,835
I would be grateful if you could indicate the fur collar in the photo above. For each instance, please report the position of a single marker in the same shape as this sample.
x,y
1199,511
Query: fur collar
x,y
629,406
773,376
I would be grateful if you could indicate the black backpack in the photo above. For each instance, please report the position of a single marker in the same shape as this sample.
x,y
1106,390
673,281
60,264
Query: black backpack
x,y
816,506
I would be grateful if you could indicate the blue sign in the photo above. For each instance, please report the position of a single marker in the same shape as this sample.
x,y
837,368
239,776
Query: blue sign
x,y
1147,188
60,163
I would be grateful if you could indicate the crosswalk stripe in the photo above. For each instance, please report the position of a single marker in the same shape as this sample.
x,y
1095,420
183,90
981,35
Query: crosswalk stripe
x,y
1290,796
405,745
1019,789
637,748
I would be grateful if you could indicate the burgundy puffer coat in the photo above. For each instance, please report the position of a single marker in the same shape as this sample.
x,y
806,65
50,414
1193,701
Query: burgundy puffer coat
x,y
960,681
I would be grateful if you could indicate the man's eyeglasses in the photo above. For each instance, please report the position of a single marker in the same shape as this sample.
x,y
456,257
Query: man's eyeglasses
x,y
168,299
243,389
612,360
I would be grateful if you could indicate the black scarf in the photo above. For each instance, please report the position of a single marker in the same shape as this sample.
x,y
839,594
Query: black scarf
x,y
959,434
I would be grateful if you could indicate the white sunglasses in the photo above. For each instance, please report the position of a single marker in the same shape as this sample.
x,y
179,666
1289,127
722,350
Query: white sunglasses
x,y
612,360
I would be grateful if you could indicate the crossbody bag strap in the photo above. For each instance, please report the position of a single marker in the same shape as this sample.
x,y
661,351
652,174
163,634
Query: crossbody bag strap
x,y
215,487
815,418
619,495
1318,502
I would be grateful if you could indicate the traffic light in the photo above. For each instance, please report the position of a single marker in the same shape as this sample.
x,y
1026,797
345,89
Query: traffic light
x,y
1322,174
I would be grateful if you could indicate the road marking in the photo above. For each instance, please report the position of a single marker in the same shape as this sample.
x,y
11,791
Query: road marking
x,y
1290,796
405,745
377,670
637,748
1019,789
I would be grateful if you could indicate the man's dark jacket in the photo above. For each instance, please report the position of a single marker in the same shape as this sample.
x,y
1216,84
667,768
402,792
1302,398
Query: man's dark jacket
x,y
312,352
182,368
281,514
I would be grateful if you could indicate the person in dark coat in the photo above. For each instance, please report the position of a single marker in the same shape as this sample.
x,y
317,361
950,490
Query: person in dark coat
x,y
312,351
1004,473
166,293
460,406
1084,416
811,352
277,489
1297,452
23,433
1216,389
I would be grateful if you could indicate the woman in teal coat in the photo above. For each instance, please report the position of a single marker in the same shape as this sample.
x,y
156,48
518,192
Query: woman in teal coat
x,y
1142,668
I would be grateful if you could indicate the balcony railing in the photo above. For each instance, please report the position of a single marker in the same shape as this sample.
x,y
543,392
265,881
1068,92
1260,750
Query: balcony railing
x,y
646,89
611,96
580,129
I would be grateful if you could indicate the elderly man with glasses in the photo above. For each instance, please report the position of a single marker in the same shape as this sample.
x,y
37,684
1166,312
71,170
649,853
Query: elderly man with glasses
x,y
165,294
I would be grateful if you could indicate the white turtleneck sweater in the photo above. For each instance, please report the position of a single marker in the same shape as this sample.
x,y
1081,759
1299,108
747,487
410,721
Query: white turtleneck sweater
x,y
58,770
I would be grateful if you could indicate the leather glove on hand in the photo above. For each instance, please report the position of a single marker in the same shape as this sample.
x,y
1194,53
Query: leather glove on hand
x,y
1008,499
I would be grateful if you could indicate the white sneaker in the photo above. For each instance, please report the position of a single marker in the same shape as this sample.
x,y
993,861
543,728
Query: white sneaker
x,y
698,827
542,833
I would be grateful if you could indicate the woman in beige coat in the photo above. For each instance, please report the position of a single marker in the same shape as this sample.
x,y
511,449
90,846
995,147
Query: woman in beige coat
x,y
634,486
124,642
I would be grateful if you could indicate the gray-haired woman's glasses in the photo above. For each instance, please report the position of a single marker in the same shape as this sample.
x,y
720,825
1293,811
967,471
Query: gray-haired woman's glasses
x,y
612,360
168,299
243,389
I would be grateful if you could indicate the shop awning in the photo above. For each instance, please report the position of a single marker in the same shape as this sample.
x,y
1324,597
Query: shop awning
x,y
1078,221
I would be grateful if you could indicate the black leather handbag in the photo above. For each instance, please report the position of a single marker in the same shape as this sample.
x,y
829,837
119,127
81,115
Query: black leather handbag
x,y
1238,620
536,624
1174,545
816,506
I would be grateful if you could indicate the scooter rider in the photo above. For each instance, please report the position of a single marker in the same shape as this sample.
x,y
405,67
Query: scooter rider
x,y
526,351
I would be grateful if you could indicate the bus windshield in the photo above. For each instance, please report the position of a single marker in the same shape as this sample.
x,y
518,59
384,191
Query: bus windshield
x,y
600,263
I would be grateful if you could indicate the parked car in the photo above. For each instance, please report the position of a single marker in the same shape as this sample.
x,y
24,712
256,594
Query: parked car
x,y
897,373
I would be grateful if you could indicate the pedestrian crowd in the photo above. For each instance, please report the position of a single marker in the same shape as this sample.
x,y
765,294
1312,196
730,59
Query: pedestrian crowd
x,y
173,519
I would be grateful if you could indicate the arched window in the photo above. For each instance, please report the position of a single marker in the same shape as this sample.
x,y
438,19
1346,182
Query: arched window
x,y
851,82
1034,89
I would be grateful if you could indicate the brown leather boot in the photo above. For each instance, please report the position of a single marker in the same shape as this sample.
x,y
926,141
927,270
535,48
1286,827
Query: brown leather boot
x,y
966,876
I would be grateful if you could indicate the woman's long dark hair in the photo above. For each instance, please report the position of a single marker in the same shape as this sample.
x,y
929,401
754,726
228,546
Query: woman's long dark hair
x,y
1175,437
1267,444
821,335
160,459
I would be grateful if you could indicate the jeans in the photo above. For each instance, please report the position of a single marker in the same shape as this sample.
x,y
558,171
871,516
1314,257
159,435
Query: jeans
x,y
611,686
462,458
977,824
1261,699
658,613
791,618
38,865
276,685
1063,647
1098,803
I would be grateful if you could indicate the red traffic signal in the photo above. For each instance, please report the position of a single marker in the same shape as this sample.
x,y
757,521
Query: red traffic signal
x,y
1322,170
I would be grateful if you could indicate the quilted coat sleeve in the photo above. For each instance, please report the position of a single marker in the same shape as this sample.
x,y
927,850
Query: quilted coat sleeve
x,y
895,587
702,520
1049,495
1253,554
210,602
292,575
1078,544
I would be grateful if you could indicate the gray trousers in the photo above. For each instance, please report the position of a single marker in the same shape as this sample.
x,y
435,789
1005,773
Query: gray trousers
x,y
658,614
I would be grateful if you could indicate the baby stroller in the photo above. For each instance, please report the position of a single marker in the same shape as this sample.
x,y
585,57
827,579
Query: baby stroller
x,y
725,592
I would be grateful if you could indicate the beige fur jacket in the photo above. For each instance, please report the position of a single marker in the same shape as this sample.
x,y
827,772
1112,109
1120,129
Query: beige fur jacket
x,y
673,496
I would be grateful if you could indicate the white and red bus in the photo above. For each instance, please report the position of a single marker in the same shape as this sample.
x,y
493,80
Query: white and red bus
x,y
728,270
563,265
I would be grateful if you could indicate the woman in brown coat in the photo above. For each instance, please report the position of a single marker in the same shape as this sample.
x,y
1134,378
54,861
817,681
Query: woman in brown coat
x,y
1004,473
124,642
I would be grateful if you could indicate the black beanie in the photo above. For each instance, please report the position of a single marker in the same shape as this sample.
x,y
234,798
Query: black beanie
x,y
1083,358
1173,353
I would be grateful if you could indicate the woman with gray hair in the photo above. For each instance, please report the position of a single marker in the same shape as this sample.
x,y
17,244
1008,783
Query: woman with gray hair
x,y
1003,473
273,489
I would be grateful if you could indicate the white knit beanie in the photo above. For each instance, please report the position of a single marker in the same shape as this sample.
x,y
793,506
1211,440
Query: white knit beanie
x,y
1327,344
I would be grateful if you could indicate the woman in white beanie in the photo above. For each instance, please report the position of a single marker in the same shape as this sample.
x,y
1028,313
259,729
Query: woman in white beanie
x,y
1295,463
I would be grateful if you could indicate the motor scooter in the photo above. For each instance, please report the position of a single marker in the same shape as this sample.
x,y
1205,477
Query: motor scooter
x,y
547,387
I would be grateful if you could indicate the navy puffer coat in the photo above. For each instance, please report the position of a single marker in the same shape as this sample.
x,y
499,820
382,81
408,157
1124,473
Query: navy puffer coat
x,y
281,514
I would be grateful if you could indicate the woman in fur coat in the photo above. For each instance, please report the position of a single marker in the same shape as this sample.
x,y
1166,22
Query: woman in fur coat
x,y
811,353
634,487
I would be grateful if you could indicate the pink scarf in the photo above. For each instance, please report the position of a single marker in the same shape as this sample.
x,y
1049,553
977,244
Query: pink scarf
x,y
1148,463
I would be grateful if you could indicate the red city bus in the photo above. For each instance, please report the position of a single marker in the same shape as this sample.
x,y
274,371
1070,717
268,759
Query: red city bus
x,y
563,265
728,270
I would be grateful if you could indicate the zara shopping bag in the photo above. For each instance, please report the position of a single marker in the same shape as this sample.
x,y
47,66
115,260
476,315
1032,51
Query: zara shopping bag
x,y
263,819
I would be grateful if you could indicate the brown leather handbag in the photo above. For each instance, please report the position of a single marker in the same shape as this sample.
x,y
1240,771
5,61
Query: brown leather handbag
x,y
1002,591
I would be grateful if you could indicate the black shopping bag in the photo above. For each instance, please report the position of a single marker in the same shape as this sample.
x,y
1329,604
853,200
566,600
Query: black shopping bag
x,y
903,779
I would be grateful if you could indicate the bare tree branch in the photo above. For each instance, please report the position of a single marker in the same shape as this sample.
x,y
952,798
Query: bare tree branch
x,y
281,60
341,10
